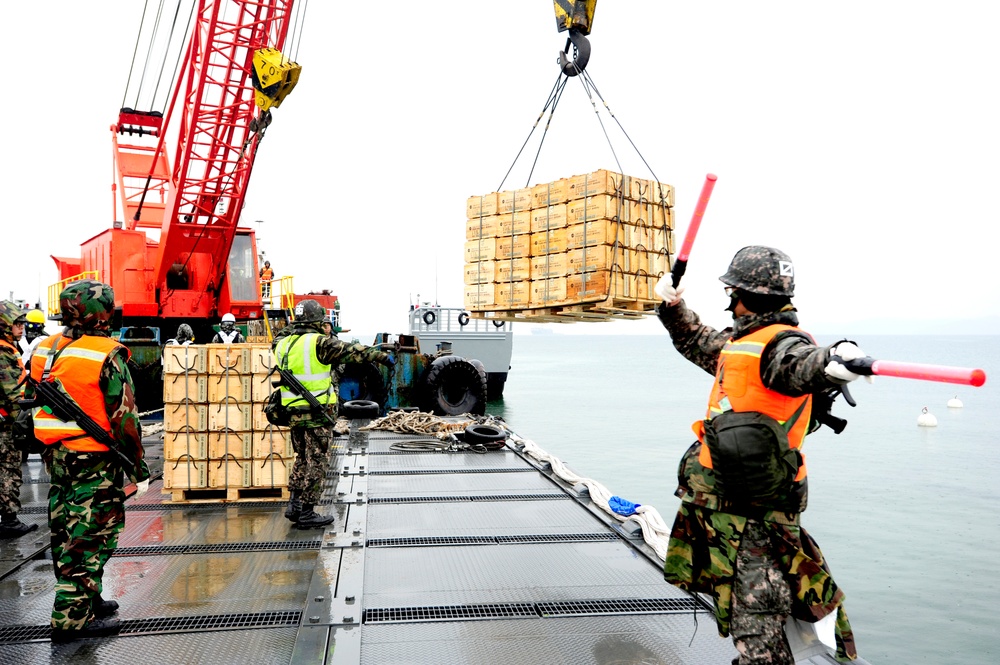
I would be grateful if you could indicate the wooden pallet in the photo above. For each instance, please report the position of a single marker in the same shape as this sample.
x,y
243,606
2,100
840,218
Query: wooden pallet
x,y
611,308
228,494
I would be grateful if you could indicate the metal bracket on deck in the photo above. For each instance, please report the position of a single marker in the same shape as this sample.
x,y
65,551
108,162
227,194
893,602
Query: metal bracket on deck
x,y
581,490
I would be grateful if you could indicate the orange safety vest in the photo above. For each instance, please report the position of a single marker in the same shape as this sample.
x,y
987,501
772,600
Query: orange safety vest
x,y
266,274
77,366
737,380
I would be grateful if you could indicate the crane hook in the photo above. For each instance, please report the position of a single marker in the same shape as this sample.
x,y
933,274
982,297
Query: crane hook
x,y
581,54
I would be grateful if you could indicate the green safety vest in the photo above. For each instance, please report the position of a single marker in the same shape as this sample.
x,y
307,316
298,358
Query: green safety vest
x,y
301,359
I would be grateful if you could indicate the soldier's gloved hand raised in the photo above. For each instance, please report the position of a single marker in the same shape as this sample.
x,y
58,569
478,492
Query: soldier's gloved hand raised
x,y
665,289
840,356
141,488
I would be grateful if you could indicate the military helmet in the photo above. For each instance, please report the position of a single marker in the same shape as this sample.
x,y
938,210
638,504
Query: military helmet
x,y
87,304
9,315
228,322
309,311
762,270
184,333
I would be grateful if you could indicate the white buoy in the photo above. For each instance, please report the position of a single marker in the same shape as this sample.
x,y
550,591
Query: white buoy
x,y
955,403
926,419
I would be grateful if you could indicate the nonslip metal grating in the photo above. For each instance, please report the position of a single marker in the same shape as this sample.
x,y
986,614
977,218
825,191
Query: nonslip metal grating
x,y
450,613
623,606
619,606
422,472
439,541
11,634
201,507
469,497
270,546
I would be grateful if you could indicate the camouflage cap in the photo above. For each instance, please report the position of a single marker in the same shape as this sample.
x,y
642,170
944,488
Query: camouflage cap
x,y
309,311
9,314
763,270
87,304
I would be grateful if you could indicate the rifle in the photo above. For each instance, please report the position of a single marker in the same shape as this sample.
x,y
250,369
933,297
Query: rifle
x,y
62,406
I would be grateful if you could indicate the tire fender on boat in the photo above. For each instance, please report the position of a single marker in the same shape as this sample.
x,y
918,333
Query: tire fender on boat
x,y
360,409
463,319
498,324
453,386
489,436
429,318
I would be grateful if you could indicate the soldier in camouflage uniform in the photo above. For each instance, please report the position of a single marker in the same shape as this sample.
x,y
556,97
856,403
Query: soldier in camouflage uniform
x,y
11,376
752,555
86,496
299,345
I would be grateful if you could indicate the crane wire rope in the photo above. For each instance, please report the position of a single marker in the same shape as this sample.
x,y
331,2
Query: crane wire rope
x,y
298,27
135,51
554,96
163,63
180,55
149,51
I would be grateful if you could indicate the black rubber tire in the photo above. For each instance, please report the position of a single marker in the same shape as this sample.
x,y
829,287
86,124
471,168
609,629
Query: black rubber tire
x,y
498,324
360,409
429,317
485,434
463,319
371,384
453,386
482,370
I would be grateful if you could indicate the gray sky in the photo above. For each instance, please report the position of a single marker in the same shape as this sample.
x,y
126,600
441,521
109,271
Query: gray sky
x,y
861,138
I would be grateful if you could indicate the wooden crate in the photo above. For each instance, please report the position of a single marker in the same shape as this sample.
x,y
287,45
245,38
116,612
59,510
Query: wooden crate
x,y
514,223
271,471
185,388
512,201
232,415
479,297
261,386
273,440
185,416
230,358
229,495
191,444
548,266
222,387
261,358
548,292
186,473
551,217
548,242
516,247
640,189
480,272
178,359
484,249
600,232
550,193
599,257
482,227
513,295
512,270
591,208
588,285
599,182
661,189
478,206
237,444
257,418
230,472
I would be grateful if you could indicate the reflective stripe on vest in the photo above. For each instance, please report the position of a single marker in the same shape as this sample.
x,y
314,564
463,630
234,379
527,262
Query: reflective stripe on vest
x,y
305,365
227,338
738,388
78,369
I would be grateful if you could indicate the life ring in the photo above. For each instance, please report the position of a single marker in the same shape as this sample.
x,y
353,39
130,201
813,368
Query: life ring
x,y
498,324
463,319
360,409
429,317
453,386
487,435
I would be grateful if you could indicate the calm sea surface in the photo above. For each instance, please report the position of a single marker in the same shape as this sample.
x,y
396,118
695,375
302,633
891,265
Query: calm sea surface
x,y
908,517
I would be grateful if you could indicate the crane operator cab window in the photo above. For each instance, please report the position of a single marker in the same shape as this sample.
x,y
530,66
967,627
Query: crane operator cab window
x,y
242,276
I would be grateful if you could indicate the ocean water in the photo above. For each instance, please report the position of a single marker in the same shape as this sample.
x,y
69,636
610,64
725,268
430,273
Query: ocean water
x,y
908,517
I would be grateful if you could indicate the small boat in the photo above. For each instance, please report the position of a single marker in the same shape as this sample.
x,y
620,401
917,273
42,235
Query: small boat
x,y
955,403
490,342
926,419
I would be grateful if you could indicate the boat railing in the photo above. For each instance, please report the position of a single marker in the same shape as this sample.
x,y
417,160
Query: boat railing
x,y
431,318
53,308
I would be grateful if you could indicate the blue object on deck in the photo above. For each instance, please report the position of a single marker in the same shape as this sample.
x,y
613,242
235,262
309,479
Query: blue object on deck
x,y
622,506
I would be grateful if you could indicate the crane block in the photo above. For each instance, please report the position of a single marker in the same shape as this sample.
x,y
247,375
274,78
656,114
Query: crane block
x,y
273,77
575,15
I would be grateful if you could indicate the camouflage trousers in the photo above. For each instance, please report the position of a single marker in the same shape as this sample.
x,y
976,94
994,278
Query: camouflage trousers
x,y
10,475
762,600
312,459
86,514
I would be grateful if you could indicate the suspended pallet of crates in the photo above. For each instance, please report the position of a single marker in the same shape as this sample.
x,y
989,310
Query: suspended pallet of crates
x,y
586,248
217,444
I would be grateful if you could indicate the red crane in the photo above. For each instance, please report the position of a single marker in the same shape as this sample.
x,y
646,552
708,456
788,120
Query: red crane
x,y
179,254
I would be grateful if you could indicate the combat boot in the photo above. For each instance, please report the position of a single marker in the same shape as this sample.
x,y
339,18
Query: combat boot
x,y
104,608
11,527
96,628
310,519
294,508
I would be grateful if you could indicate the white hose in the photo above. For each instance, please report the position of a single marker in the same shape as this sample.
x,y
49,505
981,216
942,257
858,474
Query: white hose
x,y
655,531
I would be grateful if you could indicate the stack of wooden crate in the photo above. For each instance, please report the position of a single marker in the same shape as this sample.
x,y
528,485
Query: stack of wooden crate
x,y
590,246
217,444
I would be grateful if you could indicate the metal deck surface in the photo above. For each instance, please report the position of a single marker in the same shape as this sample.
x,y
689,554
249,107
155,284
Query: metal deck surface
x,y
434,558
